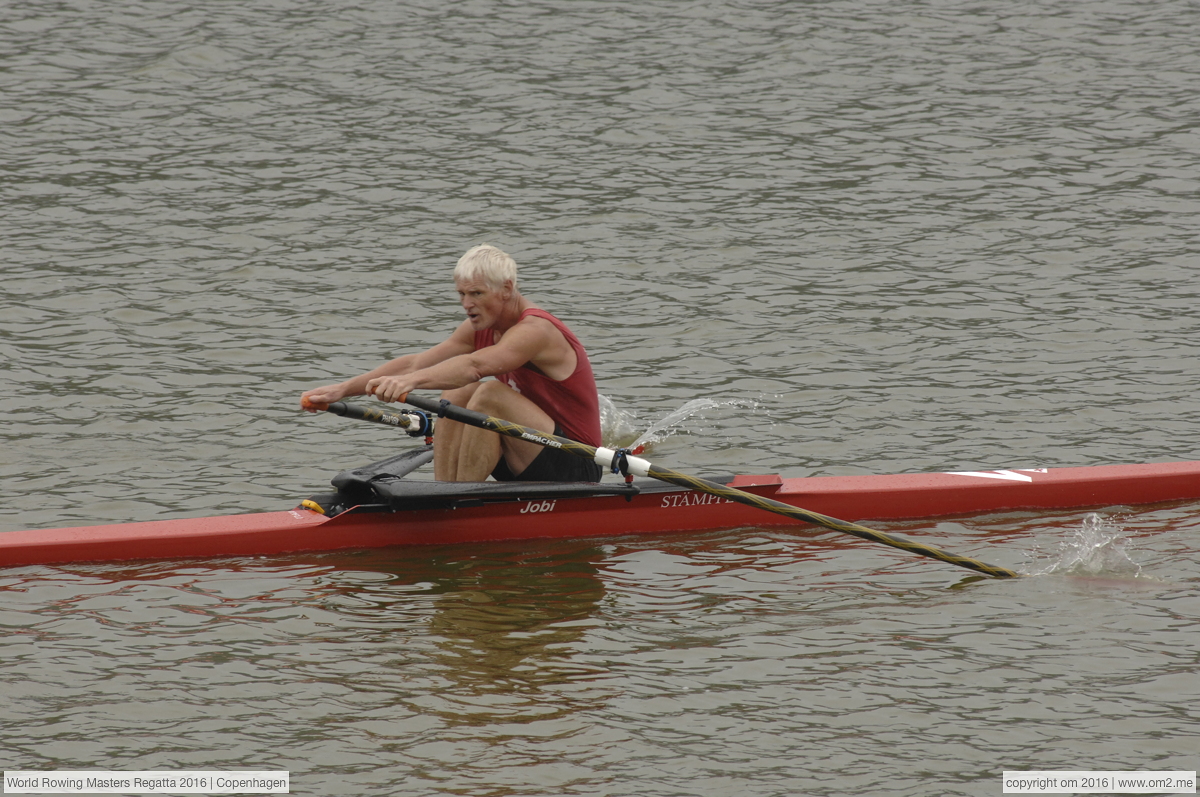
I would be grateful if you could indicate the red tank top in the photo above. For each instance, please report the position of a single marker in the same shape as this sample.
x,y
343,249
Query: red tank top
x,y
572,403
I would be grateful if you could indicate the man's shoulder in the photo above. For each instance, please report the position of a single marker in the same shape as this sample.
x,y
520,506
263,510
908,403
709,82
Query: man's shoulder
x,y
539,319
550,336
537,312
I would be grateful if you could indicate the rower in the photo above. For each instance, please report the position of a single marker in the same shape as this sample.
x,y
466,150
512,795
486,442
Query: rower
x,y
542,379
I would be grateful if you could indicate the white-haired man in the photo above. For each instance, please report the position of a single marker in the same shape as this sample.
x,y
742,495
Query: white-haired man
x,y
543,379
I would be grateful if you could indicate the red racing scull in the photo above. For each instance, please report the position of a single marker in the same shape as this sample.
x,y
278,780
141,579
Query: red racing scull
x,y
376,507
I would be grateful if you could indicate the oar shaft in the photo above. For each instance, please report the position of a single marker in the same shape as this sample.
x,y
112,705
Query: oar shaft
x,y
643,468
417,424
388,417
817,519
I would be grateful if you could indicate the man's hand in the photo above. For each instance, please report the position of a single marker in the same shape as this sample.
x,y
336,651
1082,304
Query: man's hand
x,y
390,388
319,397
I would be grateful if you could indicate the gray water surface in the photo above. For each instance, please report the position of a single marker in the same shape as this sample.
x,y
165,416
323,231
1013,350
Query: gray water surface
x,y
888,237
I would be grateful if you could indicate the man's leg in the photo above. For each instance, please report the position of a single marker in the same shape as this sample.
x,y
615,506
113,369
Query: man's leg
x,y
448,439
468,453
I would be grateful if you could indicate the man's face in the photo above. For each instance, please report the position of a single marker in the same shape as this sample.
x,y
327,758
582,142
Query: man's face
x,y
482,303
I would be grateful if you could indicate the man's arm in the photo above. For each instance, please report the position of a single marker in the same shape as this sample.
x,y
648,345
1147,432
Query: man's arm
x,y
532,340
459,343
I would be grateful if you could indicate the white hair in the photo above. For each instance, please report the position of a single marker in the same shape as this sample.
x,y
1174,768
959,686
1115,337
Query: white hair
x,y
487,264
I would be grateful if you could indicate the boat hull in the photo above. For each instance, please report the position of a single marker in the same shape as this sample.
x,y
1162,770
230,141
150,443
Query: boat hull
x,y
655,510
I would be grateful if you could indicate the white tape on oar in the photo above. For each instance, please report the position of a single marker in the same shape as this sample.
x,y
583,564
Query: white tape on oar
x,y
637,466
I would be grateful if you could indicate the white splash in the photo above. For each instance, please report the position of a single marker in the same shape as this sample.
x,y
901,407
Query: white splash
x,y
618,426
674,421
1098,547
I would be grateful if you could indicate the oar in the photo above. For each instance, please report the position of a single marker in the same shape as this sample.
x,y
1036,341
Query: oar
x,y
417,424
607,457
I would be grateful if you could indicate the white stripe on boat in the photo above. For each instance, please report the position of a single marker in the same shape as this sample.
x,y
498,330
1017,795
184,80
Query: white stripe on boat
x,y
1009,475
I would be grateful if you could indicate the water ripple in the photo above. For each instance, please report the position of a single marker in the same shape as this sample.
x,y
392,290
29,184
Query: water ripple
x,y
906,237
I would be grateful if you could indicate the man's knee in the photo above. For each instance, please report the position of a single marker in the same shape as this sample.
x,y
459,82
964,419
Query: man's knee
x,y
496,398
488,395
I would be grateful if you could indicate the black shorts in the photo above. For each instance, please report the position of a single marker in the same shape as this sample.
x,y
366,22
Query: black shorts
x,y
552,465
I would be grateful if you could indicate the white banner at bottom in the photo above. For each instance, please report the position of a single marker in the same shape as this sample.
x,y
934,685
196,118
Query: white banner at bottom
x,y
1065,781
149,782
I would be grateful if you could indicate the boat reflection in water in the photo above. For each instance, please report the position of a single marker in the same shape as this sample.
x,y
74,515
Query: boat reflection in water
x,y
500,622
